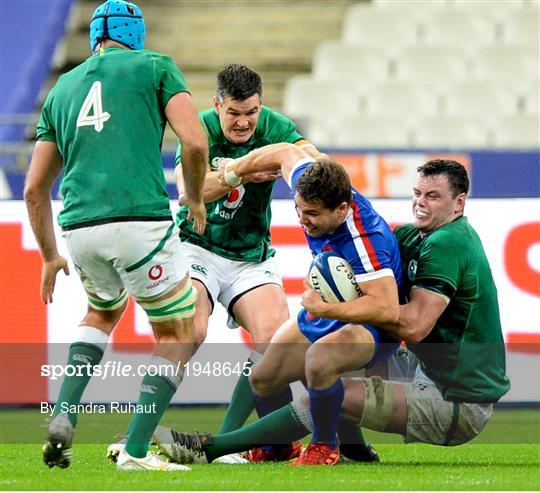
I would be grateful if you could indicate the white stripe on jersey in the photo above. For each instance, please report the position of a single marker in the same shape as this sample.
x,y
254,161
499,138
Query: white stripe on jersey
x,y
358,243
301,162
386,272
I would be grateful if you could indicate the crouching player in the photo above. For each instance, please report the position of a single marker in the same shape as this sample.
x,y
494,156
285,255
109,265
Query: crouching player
x,y
326,340
451,323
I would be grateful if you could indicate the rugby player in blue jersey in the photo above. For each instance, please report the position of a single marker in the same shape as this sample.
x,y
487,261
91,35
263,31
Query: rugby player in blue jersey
x,y
327,340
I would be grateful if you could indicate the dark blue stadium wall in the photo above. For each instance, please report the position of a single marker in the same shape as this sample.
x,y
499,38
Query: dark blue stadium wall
x,y
494,174
29,32
508,174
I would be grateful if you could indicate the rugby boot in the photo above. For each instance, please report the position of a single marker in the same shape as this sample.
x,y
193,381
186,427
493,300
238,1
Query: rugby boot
x,y
318,454
359,453
151,462
182,448
115,448
57,449
287,452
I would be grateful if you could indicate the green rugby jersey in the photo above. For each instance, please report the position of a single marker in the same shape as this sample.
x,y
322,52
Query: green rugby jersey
x,y
107,118
464,353
238,224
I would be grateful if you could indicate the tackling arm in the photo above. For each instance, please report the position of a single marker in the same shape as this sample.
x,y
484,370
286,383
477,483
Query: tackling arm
x,y
308,147
273,157
213,188
44,168
418,317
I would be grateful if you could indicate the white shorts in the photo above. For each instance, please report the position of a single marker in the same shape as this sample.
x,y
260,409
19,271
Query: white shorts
x,y
431,419
227,280
143,257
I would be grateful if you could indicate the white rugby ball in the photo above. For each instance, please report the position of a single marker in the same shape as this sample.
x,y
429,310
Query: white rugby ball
x,y
333,278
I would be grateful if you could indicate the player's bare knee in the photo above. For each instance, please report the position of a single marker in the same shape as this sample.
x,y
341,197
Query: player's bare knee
x,y
263,335
200,334
105,318
319,367
200,322
264,328
261,383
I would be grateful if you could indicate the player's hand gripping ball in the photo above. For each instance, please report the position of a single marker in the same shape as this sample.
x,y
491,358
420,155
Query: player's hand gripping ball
x,y
333,278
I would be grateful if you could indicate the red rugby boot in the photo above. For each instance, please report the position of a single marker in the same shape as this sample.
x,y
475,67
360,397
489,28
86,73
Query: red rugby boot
x,y
318,454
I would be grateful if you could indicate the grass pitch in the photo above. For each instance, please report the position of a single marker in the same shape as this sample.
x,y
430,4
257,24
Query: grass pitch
x,y
475,466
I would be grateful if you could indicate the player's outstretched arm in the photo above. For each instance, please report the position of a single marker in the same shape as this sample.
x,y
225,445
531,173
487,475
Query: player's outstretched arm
x,y
213,188
44,168
184,120
275,157
311,149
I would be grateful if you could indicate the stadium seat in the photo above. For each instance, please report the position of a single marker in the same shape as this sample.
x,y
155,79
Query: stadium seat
x,y
379,27
514,64
410,5
335,60
305,97
480,99
518,132
320,131
531,100
449,132
405,101
431,64
486,7
520,27
458,28
367,131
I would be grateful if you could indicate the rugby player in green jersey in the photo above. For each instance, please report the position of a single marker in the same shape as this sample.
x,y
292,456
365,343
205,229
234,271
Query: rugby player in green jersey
x,y
233,262
451,325
102,125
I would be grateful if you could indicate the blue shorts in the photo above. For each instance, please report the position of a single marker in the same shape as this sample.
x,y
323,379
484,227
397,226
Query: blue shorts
x,y
314,328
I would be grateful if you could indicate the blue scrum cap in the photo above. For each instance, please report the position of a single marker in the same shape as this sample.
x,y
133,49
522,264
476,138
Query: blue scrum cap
x,y
120,21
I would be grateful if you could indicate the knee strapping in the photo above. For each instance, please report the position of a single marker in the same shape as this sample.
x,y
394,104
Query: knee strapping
x,y
378,404
180,305
103,306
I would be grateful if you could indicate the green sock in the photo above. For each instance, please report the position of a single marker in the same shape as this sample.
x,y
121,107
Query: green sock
x,y
281,426
81,354
351,440
241,406
156,394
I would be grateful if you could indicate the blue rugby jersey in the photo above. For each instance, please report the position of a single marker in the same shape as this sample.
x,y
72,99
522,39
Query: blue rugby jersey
x,y
366,241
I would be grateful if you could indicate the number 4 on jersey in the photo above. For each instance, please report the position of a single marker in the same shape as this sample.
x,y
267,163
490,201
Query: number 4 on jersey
x,y
92,109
